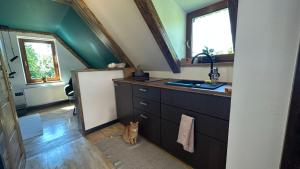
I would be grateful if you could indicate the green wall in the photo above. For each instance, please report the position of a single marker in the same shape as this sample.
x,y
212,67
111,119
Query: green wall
x,y
49,16
173,19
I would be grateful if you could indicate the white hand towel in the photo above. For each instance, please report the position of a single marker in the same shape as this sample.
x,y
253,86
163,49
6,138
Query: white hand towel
x,y
186,133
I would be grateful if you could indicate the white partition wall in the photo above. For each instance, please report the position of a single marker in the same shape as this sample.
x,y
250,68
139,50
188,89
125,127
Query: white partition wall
x,y
268,34
98,96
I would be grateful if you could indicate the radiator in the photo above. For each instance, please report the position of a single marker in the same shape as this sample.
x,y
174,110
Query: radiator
x,y
44,95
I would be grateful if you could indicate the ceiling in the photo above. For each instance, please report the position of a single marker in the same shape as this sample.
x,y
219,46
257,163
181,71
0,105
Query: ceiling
x,y
124,22
191,5
58,18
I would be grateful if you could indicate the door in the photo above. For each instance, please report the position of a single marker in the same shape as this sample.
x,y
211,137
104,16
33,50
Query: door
x,y
209,152
11,145
123,94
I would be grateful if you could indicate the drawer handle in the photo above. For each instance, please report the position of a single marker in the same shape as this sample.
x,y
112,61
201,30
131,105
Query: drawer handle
x,y
143,90
143,116
143,103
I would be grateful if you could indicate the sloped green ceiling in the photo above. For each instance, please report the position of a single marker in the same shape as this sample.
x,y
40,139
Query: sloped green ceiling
x,y
53,17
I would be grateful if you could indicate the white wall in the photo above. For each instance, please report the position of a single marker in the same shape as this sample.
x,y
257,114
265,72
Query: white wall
x,y
39,94
196,73
98,96
173,19
125,24
191,5
267,42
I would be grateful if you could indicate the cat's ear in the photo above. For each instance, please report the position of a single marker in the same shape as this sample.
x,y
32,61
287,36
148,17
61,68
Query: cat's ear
x,y
131,123
137,123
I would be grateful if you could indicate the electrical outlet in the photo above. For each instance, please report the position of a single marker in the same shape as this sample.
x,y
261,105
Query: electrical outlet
x,y
19,94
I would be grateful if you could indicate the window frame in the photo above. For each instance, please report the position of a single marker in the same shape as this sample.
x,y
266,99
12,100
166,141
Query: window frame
x,y
189,21
29,80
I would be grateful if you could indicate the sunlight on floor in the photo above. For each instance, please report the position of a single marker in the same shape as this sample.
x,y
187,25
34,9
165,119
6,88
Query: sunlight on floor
x,y
51,134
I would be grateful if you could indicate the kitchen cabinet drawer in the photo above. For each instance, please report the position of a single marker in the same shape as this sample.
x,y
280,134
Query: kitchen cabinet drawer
x,y
146,105
150,93
206,125
149,126
209,153
216,106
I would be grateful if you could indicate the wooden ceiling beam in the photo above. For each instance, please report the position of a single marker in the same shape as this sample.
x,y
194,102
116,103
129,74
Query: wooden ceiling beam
x,y
159,33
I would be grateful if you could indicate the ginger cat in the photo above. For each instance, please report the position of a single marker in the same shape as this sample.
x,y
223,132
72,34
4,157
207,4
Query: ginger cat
x,y
131,132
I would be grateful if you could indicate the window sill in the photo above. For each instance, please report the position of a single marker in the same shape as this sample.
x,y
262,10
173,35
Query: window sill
x,y
46,84
221,60
183,64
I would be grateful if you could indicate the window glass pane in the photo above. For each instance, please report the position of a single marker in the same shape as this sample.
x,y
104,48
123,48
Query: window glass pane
x,y
213,31
40,60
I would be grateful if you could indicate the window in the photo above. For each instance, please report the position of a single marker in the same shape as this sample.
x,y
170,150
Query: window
x,y
210,28
39,60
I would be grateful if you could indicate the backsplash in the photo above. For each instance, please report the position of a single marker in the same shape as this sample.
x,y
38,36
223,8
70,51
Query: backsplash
x,y
196,73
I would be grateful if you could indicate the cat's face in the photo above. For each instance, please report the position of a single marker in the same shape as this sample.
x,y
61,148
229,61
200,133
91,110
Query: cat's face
x,y
134,125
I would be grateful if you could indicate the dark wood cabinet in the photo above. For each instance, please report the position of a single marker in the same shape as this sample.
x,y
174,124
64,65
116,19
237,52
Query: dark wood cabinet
x,y
206,125
123,94
159,112
209,152
146,103
149,125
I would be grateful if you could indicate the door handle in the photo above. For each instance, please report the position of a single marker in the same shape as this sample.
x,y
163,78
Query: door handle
x,y
143,103
188,44
143,116
143,90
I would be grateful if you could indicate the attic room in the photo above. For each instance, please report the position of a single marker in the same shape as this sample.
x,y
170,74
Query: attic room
x,y
139,84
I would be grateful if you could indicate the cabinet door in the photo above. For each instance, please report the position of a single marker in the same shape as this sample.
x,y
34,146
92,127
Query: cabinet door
x,y
209,153
149,126
123,93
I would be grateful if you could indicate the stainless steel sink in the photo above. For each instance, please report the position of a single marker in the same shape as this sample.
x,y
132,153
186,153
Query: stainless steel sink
x,y
195,84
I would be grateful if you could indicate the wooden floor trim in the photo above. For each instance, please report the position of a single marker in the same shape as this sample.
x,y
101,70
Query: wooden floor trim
x,y
100,127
